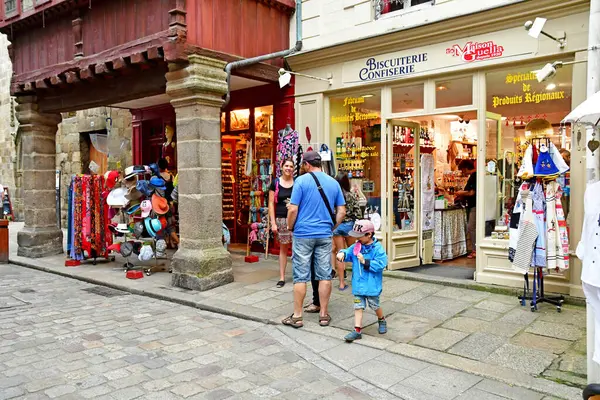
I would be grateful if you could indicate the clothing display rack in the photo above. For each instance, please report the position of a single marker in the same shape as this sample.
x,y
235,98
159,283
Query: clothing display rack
x,y
88,236
258,219
7,208
538,295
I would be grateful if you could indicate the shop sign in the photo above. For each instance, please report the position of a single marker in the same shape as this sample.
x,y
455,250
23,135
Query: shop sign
x,y
390,67
368,186
476,51
354,114
527,95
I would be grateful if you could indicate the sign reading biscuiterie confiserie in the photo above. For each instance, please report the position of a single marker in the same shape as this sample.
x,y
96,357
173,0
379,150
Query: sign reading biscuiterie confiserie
x,y
508,45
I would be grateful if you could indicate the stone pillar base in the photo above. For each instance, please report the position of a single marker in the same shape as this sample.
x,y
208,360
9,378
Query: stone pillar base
x,y
39,242
201,269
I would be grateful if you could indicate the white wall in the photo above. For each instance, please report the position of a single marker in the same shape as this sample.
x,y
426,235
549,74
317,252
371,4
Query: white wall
x,y
329,22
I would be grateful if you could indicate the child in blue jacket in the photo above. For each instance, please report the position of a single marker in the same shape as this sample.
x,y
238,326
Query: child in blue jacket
x,y
368,261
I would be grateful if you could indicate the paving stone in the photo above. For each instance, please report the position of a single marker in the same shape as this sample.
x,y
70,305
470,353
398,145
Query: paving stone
x,y
440,339
465,324
127,394
503,329
95,391
556,346
11,393
436,308
218,394
61,390
555,330
409,393
477,346
519,316
495,306
417,294
442,382
463,294
349,358
523,359
566,377
574,363
403,327
506,391
187,389
381,374
481,314
409,364
472,394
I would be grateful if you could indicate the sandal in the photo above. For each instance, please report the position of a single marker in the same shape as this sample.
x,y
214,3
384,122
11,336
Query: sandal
x,y
311,308
280,284
324,320
295,322
472,255
341,289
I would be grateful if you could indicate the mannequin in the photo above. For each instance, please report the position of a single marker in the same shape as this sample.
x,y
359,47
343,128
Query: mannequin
x,y
169,146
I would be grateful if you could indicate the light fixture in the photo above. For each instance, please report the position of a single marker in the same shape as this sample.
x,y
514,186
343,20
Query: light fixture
x,y
285,77
441,88
551,86
366,96
549,70
535,28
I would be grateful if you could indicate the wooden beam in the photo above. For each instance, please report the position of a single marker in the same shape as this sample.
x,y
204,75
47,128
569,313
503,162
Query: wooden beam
x,y
28,87
41,84
155,53
119,63
57,80
72,77
87,73
139,58
104,68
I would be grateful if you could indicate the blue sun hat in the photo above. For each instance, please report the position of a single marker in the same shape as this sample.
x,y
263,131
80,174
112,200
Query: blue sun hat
x,y
153,226
144,188
154,169
158,183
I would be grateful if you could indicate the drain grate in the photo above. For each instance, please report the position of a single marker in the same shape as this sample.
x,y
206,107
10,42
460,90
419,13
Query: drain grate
x,y
26,290
105,291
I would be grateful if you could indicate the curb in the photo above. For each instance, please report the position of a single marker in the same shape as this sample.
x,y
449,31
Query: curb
x,y
188,303
472,285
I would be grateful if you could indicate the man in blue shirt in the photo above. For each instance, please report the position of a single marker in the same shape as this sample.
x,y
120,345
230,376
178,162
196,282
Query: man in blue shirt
x,y
312,222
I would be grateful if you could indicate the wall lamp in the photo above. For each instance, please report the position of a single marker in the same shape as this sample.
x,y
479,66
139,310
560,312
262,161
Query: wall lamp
x,y
285,77
536,27
549,70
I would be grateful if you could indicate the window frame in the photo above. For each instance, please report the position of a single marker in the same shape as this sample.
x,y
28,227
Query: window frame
x,y
378,7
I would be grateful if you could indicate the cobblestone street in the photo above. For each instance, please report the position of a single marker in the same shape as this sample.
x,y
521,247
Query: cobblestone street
x,y
65,339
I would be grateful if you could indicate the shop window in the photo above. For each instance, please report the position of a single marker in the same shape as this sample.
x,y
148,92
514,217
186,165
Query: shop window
x,y
240,120
355,129
514,99
454,92
263,131
389,6
408,98
10,6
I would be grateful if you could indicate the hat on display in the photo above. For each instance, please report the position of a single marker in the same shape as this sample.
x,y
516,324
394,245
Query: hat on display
x,y
133,194
133,207
158,183
146,207
129,182
161,247
122,228
138,229
311,156
116,247
160,205
144,188
163,221
137,247
362,227
111,178
146,253
154,169
116,197
126,249
133,170
153,226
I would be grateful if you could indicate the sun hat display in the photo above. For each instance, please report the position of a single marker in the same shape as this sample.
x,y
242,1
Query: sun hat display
x,y
131,182
146,253
146,207
154,169
122,228
163,221
116,197
116,247
126,249
160,205
111,178
161,247
133,207
144,188
158,183
137,247
153,226
133,194
134,170
138,229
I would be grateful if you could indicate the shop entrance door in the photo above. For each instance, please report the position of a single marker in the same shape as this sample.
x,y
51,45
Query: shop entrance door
x,y
493,203
404,195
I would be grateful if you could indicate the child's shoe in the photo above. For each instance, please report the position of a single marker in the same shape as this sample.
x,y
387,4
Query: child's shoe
x,y
352,336
382,326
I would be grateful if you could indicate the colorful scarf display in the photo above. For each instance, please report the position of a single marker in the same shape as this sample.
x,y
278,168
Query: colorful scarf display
x,y
88,233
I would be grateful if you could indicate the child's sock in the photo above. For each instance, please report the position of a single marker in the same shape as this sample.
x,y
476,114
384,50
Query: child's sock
x,y
357,329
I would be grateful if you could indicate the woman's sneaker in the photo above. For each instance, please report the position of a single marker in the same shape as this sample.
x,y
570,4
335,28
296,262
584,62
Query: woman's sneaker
x,y
352,336
382,326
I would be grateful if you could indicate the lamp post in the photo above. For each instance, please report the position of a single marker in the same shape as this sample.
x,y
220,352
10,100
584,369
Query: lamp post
x,y
592,159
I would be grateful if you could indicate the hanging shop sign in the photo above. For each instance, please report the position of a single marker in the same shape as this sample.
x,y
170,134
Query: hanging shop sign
x,y
476,51
528,93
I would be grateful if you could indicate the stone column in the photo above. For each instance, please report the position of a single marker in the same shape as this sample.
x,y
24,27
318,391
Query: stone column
x,y
40,236
196,91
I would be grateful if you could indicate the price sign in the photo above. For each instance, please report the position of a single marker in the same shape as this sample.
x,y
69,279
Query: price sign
x,y
368,186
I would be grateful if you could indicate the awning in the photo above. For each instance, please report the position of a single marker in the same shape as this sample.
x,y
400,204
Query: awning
x,y
587,113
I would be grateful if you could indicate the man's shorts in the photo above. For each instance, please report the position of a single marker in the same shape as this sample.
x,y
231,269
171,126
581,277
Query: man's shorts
x,y
302,257
360,302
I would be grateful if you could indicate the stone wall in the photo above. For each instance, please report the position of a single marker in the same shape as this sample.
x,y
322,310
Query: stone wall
x,y
8,129
72,143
